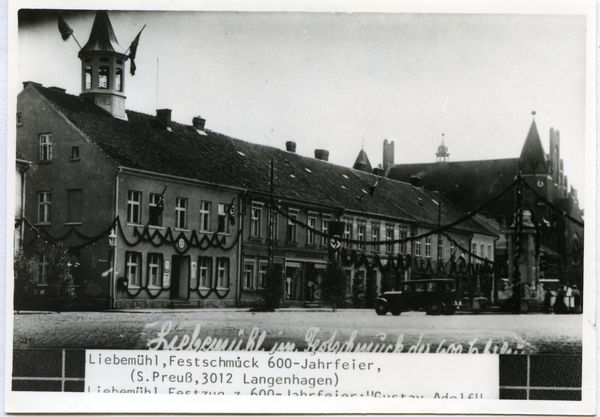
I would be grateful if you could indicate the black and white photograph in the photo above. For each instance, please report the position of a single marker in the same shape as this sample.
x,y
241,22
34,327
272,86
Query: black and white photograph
x,y
229,208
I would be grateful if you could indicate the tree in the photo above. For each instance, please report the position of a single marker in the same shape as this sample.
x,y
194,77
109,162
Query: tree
x,y
333,287
370,290
358,290
60,293
25,292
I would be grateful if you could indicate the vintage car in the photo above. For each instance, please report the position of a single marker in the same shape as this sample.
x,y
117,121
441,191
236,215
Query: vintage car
x,y
435,296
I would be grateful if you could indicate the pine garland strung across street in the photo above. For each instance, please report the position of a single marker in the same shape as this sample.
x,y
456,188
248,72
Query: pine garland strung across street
x,y
549,204
467,251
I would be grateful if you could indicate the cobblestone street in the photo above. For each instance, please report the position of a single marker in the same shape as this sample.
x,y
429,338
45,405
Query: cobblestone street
x,y
306,329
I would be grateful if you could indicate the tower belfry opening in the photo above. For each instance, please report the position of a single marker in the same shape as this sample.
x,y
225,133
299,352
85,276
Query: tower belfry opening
x,y
102,68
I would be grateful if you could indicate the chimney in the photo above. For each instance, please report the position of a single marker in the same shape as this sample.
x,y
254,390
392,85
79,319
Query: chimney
x,y
164,115
416,181
60,90
198,123
26,83
322,154
290,146
379,171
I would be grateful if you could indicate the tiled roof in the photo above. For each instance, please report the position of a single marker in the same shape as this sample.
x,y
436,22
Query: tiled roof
x,y
470,184
143,142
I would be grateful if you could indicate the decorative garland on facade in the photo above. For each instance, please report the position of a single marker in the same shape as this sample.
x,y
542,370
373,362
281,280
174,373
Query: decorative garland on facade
x,y
43,234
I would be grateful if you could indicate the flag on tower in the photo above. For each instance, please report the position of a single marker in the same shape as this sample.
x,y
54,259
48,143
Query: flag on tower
x,y
133,51
64,29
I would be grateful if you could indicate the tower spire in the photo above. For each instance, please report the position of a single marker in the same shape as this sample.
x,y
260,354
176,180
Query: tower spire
x,y
442,152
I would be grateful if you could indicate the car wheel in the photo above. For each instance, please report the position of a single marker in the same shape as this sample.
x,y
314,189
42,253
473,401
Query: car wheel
x,y
396,312
434,309
381,308
450,311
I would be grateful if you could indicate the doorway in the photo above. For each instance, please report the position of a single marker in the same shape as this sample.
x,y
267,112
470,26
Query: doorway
x,y
180,277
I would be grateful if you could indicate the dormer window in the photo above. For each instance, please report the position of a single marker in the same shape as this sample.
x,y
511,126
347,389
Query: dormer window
x,y
118,79
88,77
103,77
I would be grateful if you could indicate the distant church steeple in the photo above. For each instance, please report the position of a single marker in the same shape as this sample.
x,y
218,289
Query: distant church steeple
x,y
362,162
102,68
442,152
533,157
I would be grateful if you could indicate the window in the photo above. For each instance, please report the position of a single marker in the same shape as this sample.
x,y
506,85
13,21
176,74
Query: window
x,y
389,236
222,272
44,207
46,147
103,77
325,230
74,202
205,216
74,153
310,234
155,269
134,215
156,207
180,212
360,235
205,271
474,249
404,235
262,276
452,247
255,223
348,233
428,247
440,247
19,119
249,276
133,268
291,227
482,251
42,262
418,247
375,236
87,85
119,79
490,253
223,226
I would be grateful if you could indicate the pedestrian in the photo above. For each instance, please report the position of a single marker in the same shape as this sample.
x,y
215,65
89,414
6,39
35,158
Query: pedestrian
x,y
576,299
547,299
559,304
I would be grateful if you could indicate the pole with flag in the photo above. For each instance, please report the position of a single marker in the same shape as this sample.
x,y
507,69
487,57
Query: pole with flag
x,y
65,30
133,50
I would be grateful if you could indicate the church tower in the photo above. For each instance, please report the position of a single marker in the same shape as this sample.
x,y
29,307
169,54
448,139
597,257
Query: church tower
x,y
442,152
102,68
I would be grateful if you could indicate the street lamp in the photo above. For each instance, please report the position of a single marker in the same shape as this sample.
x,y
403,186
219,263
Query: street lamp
x,y
112,242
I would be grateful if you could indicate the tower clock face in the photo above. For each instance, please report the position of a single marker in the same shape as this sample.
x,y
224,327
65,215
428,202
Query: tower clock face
x,y
540,183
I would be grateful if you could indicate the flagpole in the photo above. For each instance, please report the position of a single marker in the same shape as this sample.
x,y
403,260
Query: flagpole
x,y
73,35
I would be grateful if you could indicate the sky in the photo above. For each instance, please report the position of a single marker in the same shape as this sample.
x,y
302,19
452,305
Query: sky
x,y
344,81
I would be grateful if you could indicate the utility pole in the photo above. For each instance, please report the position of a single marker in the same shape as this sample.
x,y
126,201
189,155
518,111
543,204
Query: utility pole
x,y
271,215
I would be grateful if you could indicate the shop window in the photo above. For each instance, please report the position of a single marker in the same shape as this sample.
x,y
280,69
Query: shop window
x,y
262,276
